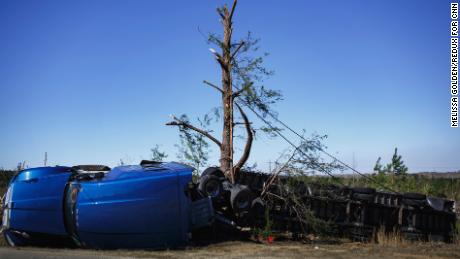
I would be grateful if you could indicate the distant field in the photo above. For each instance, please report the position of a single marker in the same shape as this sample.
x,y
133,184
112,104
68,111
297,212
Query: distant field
x,y
445,175
443,185
448,175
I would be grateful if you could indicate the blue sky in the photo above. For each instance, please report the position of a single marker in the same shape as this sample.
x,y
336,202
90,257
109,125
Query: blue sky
x,y
95,81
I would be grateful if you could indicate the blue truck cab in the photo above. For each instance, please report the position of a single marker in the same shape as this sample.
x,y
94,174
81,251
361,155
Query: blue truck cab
x,y
34,203
135,206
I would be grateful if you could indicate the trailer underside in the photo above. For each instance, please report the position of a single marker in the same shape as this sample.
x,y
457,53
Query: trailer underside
x,y
291,205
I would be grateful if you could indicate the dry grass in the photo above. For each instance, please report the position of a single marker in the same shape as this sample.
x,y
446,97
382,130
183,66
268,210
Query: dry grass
x,y
239,249
392,238
457,238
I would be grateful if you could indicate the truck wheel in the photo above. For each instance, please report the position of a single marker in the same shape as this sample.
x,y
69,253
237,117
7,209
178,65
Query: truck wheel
x,y
258,207
213,171
210,186
241,198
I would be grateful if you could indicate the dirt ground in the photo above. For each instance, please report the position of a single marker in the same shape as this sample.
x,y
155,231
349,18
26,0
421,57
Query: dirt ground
x,y
240,249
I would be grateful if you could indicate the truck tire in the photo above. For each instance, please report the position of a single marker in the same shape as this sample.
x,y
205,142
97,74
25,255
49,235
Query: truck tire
x,y
213,171
241,198
258,207
210,186
257,213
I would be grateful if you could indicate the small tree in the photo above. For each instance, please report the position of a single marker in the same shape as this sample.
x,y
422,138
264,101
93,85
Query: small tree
x,y
378,168
397,165
157,155
193,148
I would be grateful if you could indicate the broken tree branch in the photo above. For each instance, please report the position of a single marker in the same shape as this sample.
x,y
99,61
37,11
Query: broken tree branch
x,y
240,123
221,12
213,86
275,175
237,49
247,147
233,9
220,61
178,122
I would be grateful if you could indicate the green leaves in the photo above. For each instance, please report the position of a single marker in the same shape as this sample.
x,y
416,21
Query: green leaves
x,y
157,155
396,166
378,168
307,159
248,74
193,148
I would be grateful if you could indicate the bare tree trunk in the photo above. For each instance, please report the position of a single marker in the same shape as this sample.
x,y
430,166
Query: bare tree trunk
x,y
225,60
226,154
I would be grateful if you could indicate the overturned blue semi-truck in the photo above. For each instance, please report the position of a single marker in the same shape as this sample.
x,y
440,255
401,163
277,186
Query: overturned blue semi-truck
x,y
93,206
157,205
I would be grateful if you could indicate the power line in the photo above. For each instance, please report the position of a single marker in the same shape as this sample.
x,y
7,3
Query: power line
x,y
289,142
302,138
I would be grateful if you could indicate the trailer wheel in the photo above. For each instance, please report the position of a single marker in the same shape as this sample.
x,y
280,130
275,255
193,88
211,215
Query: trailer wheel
x,y
257,213
258,207
241,198
210,186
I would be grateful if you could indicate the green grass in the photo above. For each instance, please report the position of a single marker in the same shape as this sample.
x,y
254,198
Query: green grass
x,y
435,187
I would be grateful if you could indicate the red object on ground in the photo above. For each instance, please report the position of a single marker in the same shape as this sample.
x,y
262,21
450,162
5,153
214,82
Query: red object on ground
x,y
270,239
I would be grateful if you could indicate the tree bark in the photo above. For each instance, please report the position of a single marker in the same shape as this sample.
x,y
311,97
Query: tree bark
x,y
225,60
247,148
226,152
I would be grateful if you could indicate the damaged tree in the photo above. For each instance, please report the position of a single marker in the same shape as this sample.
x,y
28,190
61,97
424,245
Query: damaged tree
x,y
241,71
